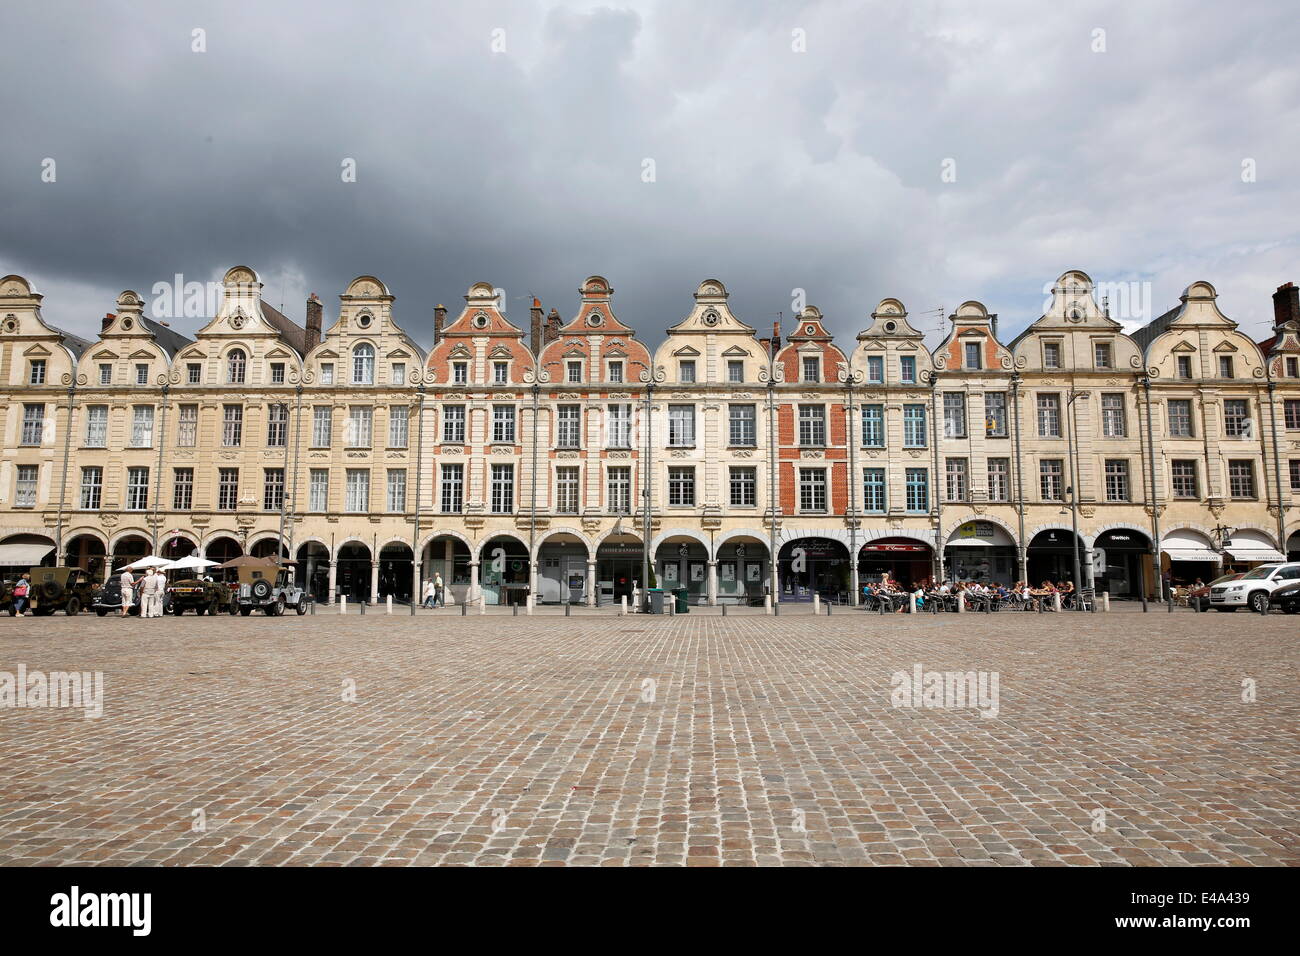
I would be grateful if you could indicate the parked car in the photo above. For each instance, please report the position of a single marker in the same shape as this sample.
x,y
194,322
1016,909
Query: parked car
x,y
201,596
1286,598
55,589
1199,598
269,589
108,597
1253,588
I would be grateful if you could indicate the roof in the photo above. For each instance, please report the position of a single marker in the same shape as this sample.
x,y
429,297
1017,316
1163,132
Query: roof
x,y
292,333
168,338
1153,329
75,342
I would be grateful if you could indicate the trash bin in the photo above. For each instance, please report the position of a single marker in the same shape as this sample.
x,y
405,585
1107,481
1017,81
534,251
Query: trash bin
x,y
682,606
656,596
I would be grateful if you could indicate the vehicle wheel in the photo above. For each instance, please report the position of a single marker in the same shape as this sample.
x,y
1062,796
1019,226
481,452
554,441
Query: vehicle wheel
x,y
73,608
234,608
1259,602
301,606
275,608
177,609
1291,609
100,612
245,611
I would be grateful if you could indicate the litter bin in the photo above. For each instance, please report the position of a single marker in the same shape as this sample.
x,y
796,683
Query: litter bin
x,y
682,606
656,596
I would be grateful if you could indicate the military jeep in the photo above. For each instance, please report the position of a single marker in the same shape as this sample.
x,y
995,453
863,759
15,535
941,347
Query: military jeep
x,y
269,589
200,596
59,589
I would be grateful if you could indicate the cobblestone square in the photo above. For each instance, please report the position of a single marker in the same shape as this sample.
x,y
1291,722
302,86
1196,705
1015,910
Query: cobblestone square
x,y
613,741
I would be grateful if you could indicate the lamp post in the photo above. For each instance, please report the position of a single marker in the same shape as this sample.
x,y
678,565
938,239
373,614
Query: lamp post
x,y
850,377
283,409
772,374
650,377
1073,492
60,554
417,554
534,377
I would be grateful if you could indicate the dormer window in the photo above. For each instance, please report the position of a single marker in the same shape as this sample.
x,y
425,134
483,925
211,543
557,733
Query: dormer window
x,y
616,371
686,372
141,373
1101,356
1225,366
500,373
460,373
973,355
735,370
327,373
399,373
105,374
811,369
36,374
907,369
1184,366
193,373
1051,355
1293,368
277,373
876,369
236,366
573,372
363,364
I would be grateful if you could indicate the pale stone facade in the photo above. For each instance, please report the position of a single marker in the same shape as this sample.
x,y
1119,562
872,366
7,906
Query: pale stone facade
x,y
514,466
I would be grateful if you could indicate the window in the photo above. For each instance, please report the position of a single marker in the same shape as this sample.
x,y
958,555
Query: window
x,y
735,370
363,364
141,374
1050,473
187,426
873,489
956,484
272,489
318,490
453,488
907,369
92,488
568,426
811,368
459,373
620,426
918,489
686,371
25,486
742,431
236,365
33,424
973,355
1184,366
681,486
1294,466
616,372
1236,418
137,489
322,426
875,369
105,374
227,489
744,487
1182,473
327,373
1293,367
1049,416
1241,478
914,426
812,425
873,426
618,489
503,424
357,491
503,489
359,432
1180,418
97,426
1117,479
1113,424
277,373
399,373
1291,413
193,373
1051,355
681,426
397,489
277,425
500,373
232,425
566,490
182,489
812,489
36,372
573,372
142,426
399,426
954,415
1101,357
995,414
999,479
453,424
1225,366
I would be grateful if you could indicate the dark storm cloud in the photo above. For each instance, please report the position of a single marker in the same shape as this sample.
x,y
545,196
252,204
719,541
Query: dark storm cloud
x,y
775,170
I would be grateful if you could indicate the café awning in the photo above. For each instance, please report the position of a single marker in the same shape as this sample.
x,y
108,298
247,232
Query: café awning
x,y
1188,545
23,555
1252,547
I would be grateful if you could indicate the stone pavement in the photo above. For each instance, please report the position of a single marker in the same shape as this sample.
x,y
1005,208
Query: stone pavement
x,y
696,740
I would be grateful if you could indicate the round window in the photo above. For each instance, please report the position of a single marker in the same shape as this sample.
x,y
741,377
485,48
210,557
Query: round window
x,y
364,320
594,319
480,321
710,318
890,326
810,330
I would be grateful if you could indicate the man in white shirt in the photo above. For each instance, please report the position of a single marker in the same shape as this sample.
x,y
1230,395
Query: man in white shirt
x,y
151,593
127,581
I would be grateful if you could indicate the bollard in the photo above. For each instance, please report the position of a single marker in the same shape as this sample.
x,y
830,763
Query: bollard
x,y
880,605
389,605
828,608
1056,600
1171,604
767,604
312,606
362,605
1105,601
343,604
463,608
961,603
566,608
724,610
988,605
528,608
622,605
1039,605
514,610
911,604
817,604
776,608
482,604
1144,603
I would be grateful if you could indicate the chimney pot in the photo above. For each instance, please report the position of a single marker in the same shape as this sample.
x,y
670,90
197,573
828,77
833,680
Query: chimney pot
x,y
1286,305
315,315
108,320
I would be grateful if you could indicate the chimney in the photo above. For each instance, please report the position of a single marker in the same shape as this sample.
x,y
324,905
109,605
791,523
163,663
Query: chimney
x,y
553,325
535,325
993,325
315,312
439,320
1286,305
767,346
108,320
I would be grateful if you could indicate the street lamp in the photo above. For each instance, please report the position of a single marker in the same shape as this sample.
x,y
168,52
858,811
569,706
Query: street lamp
x,y
417,553
850,377
1072,491
773,375
535,377
650,377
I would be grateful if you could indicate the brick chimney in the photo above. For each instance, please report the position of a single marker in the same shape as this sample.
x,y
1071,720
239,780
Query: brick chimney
x,y
535,325
315,315
553,325
1286,305
993,325
776,336
108,320
439,320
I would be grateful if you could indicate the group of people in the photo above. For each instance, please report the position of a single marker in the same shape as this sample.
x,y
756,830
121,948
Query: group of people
x,y
889,595
435,595
150,589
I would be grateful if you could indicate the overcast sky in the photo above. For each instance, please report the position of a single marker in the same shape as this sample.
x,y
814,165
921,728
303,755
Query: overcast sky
x,y
794,146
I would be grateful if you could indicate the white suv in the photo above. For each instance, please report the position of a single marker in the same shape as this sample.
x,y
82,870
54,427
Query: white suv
x,y
1253,588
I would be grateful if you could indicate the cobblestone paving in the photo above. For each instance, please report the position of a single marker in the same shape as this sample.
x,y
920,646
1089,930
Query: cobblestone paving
x,y
540,741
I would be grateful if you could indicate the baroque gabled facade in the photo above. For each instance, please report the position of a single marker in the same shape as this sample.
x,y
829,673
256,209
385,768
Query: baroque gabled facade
x,y
732,465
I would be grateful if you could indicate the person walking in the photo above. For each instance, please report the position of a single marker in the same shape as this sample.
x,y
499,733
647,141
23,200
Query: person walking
x,y
430,592
439,596
126,580
22,590
150,595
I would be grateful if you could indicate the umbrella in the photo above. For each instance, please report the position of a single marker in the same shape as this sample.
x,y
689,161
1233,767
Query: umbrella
x,y
191,563
246,561
152,561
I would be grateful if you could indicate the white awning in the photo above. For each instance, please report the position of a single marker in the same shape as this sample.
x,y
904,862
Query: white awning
x,y
1255,555
23,555
1193,554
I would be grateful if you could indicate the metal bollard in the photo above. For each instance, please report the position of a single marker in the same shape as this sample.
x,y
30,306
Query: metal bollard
x,y
988,606
724,610
1171,604
514,609
828,608
463,608
776,608
566,608
1144,603
312,607
961,603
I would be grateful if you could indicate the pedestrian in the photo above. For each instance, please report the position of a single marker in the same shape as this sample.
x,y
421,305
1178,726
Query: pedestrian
x,y
151,594
430,592
22,588
126,581
439,596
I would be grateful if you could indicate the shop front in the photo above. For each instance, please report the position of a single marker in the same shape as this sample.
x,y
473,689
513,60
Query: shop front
x,y
684,562
1122,564
1050,557
1248,548
1293,547
562,570
1186,556
619,568
905,560
503,571
742,572
980,551
809,566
